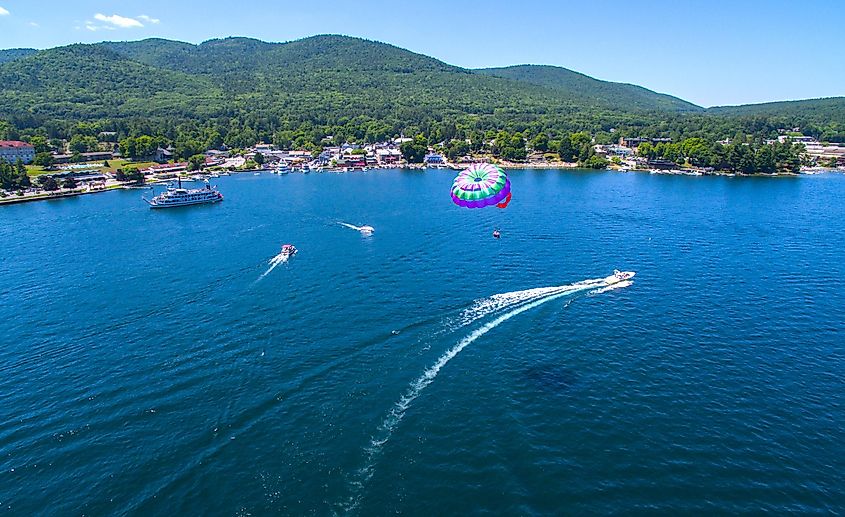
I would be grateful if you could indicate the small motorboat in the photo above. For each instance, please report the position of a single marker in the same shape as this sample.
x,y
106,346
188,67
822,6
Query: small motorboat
x,y
619,276
367,230
288,250
496,234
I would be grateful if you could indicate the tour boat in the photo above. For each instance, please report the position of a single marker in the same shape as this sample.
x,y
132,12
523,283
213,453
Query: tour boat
x,y
179,196
282,167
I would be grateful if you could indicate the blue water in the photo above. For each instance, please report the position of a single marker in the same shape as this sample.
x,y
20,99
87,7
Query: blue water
x,y
147,368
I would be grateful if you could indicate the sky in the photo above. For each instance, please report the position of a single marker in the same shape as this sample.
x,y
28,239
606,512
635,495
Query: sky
x,y
714,52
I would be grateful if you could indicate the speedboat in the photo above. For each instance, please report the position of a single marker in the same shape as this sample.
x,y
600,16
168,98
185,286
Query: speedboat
x,y
619,276
496,234
288,250
367,230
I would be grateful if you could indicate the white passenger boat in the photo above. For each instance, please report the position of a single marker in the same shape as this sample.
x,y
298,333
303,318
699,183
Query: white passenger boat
x,y
179,196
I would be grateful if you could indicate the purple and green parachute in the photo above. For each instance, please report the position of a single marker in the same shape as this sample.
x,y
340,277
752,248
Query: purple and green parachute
x,y
482,184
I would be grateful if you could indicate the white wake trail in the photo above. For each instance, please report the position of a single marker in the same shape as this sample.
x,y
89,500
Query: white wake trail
x,y
350,226
275,261
529,299
497,302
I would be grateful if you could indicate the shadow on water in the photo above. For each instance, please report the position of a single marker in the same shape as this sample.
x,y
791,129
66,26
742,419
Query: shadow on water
x,y
553,378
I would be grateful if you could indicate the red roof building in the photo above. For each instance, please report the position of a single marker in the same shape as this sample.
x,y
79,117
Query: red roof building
x,y
14,150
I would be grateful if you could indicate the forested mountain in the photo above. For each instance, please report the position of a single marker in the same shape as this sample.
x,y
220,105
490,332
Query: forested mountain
x,y
587,88
15,53
244,89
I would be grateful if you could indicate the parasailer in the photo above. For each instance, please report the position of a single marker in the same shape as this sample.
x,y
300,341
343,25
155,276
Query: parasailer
x,y
482,184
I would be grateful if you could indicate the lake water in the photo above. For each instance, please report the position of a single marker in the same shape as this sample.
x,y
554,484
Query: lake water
x,y
147,367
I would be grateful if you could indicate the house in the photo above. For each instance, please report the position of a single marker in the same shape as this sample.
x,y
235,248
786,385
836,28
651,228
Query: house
x,y
635,142
618,150
163,155
13,150
388,156
434,159
214,153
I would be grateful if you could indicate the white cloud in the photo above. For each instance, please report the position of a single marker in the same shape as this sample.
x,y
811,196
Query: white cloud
x,y
4,12
149,19
93,27
118,21
33,24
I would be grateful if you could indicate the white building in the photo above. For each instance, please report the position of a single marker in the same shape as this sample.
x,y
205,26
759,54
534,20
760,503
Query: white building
x,y
14,150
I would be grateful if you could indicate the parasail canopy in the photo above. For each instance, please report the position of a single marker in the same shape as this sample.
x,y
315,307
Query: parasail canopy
x,y
482,184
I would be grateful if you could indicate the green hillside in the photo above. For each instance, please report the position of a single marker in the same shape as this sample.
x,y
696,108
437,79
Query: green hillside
x,y
322,79
242,89
15,53
587,89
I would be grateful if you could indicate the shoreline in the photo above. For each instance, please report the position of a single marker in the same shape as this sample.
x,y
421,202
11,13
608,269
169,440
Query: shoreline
x,y
14,199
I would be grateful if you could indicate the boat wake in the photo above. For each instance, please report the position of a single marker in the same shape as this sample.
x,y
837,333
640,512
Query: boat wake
x,y
506,305
281,258
365,230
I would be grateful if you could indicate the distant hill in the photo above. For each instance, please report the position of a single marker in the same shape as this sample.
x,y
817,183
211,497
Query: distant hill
x,y
824,108
586,88
348,86
322,79
15,53
91,81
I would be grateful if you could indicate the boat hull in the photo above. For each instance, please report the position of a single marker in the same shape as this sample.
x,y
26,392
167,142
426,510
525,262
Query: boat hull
x,y
186,203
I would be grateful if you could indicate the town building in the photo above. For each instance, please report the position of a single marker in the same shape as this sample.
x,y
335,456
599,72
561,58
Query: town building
x,y
98,156
13,150
388,156
162,155
434,159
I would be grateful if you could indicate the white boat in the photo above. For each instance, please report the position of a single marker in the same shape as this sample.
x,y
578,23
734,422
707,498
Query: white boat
x,y
282,167
366,230
179,196
619,276
288,250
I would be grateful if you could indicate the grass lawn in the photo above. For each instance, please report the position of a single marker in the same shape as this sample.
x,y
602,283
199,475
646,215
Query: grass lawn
x,y
34,170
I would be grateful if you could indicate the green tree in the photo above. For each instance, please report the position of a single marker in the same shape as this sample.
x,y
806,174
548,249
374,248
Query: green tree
x,y
49,183
595,162
540,143
196,162
43,160
764,160
415,150
40,144
259,158
646,150
128,148
566,150
82,144
69,183
23,180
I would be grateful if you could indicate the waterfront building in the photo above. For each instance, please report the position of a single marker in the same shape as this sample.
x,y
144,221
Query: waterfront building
x,y
13,150
434,159
388,156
